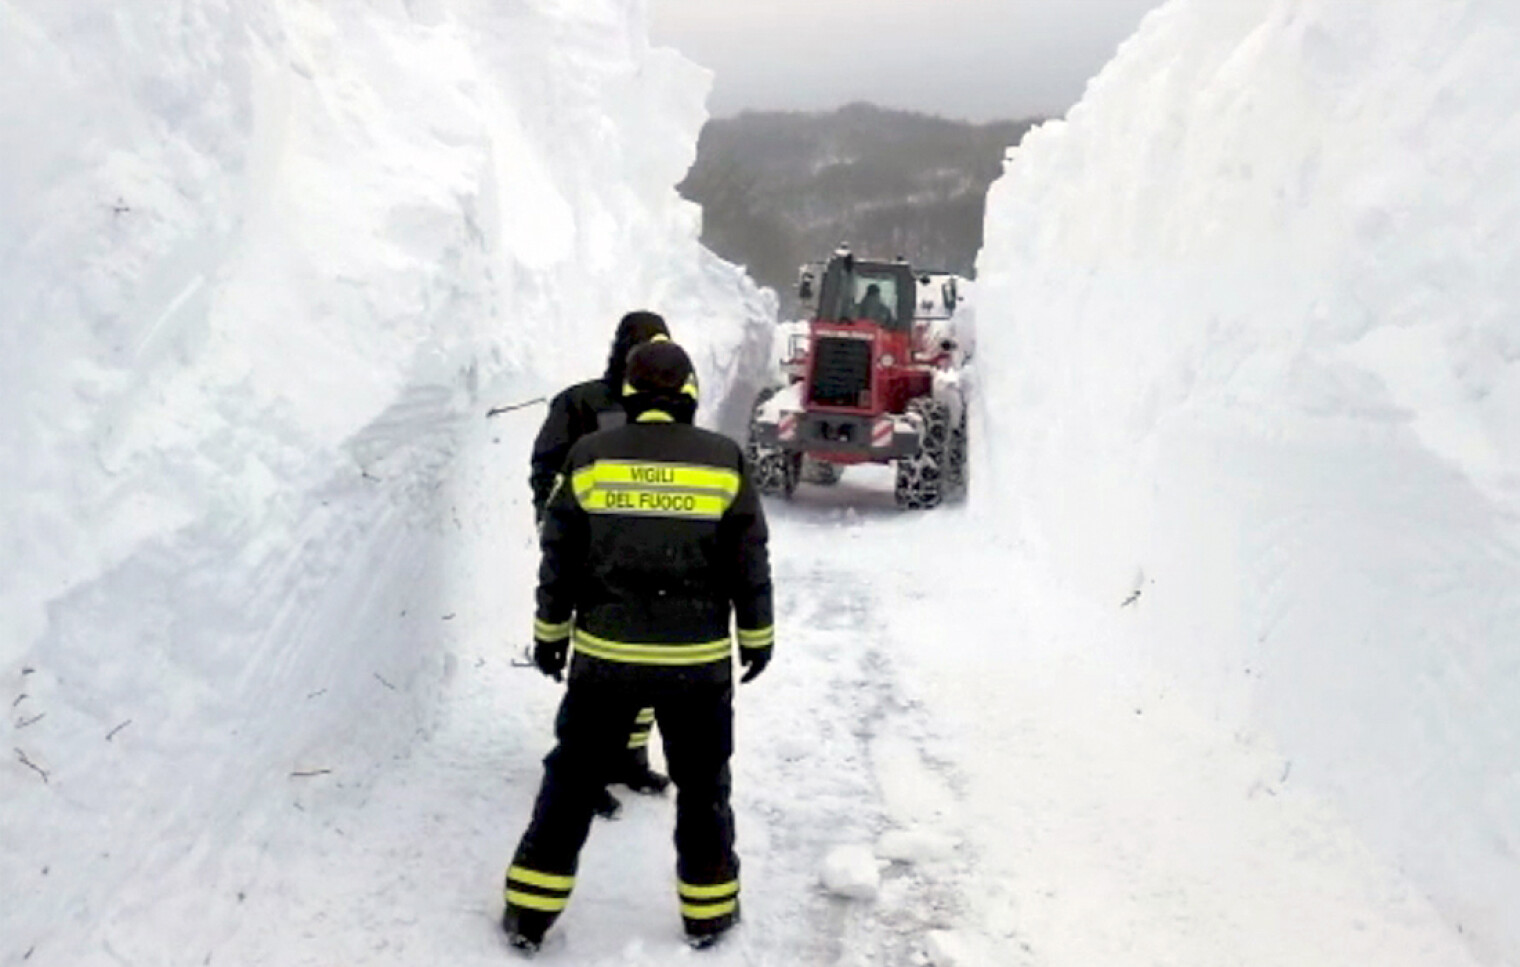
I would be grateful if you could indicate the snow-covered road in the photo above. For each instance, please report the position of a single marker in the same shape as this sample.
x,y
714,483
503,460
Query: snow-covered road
x,y
1029,796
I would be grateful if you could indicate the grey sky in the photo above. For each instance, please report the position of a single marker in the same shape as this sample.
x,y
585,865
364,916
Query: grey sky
x,y
974,59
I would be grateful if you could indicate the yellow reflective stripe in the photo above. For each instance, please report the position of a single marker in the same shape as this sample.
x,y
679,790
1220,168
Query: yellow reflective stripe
x,y
655,489
551,632
658,337
643,724
709,911
654,416
582,481
652,653
549,881
655,473
715,891
549,904
757,637
655,503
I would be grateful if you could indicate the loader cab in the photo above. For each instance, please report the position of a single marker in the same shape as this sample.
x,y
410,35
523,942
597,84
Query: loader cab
x,y
859,291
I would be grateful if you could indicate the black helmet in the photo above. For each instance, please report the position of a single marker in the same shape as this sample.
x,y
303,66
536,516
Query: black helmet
x,y
634,328
660,376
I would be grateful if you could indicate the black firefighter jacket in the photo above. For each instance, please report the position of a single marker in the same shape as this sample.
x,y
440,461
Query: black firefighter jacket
x,y
575,412
653,541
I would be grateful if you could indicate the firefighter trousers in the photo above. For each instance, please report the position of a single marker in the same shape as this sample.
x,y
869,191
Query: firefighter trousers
x,y
591,728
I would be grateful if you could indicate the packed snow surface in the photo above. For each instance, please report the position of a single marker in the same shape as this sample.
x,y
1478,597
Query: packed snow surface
x,y
1215,667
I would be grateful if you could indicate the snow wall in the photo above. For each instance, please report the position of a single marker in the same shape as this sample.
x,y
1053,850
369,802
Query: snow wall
x,y
264,265
1250,348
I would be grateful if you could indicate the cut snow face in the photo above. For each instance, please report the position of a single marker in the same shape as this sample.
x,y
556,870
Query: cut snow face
x,y
241,252
264,267
1251,309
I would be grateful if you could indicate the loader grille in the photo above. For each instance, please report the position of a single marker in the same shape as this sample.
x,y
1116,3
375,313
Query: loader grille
x,y
841,372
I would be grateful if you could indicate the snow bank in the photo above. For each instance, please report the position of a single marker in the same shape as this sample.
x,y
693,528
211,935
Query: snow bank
x,y
1249,340
261,263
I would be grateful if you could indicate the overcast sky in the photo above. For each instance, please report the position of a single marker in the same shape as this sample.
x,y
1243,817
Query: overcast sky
x,y
976,59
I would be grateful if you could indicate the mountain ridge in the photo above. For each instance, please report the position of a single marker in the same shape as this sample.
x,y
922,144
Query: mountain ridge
x,y
779,188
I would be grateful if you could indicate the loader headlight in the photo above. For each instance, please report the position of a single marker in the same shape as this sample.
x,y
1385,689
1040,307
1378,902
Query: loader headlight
x,y
887,359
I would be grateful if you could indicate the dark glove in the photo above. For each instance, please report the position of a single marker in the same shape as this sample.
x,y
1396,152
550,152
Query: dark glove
x,y
549,656
754,661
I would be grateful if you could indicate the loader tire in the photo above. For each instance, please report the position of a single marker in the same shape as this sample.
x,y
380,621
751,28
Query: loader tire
x,y
920,482
770,467
957,461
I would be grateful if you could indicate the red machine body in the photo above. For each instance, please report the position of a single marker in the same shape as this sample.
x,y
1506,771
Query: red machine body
x,y
862,384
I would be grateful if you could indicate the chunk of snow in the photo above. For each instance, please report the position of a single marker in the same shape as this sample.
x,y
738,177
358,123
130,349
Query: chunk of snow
x,y
851,871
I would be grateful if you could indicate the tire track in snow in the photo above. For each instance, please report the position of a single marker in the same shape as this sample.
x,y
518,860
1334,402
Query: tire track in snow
x,y
852,764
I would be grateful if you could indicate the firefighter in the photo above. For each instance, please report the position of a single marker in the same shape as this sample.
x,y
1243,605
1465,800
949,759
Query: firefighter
x,y
653,543
585,408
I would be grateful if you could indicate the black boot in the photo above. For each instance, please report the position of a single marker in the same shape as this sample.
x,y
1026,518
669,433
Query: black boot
x,y
524,929
710,934
523,945
607,805
648,782
702,941
636,774
634,771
